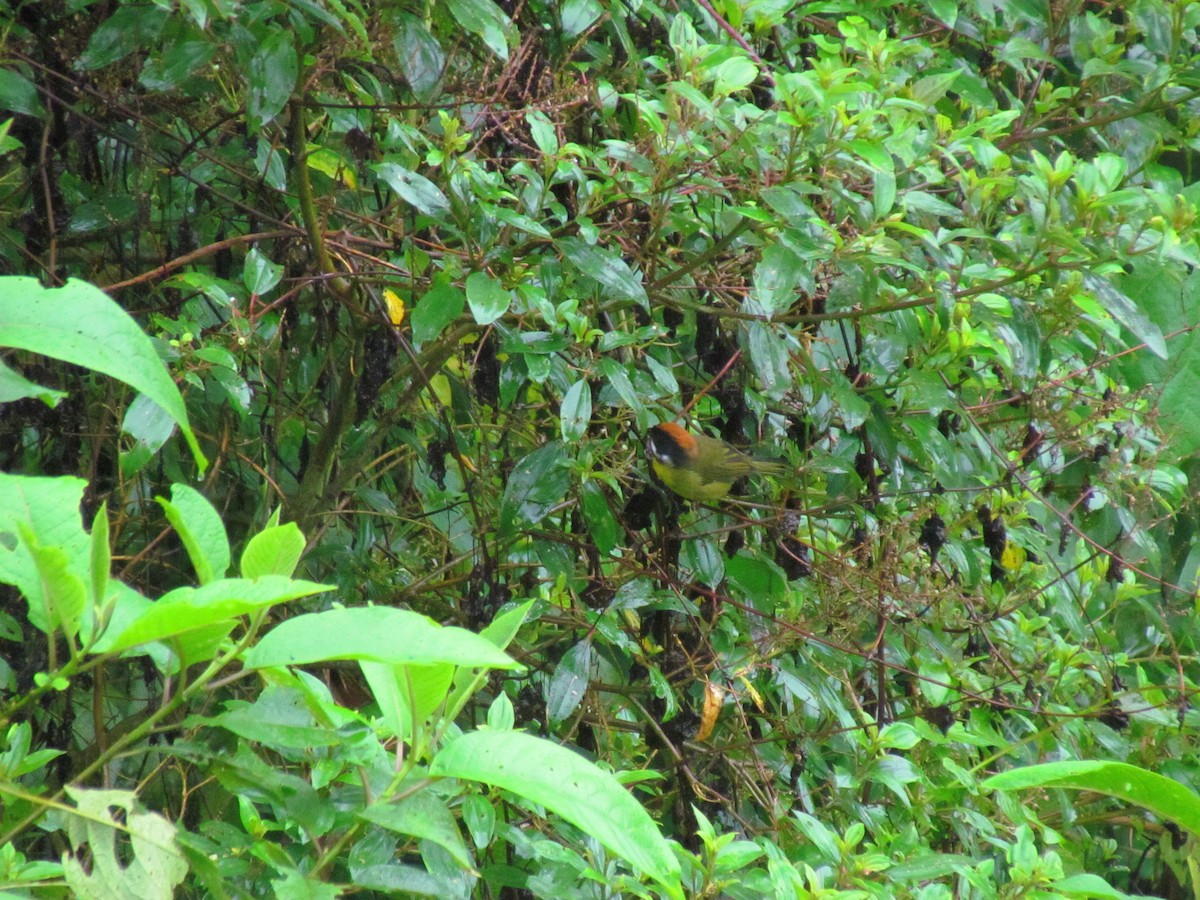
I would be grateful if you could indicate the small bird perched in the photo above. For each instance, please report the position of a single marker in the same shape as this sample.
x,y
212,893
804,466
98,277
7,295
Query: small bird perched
x,y
698,467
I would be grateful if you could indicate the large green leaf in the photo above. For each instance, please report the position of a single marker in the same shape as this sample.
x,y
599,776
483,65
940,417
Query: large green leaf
x,y
562,781
131,27
271,76
487,297
536,485
375,634
188,609
15,386
1165,797
80,324
419,54
1128,313
424,816
44,551
607,268
200,528
414,188
150,869
275,550
485,19
441,305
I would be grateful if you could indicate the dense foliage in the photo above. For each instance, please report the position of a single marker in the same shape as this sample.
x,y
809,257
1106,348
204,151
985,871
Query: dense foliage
x,y
423,274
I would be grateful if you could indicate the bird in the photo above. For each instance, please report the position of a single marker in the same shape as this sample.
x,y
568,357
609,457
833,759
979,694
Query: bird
x,y
698,467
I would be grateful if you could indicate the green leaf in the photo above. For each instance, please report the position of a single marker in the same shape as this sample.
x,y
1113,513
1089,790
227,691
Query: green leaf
x,y
414,189
14,386
271,76
38,515
275,550
1165,797
200,528
569,682
883,172
579,15
932,88
407,695
259,274
63,594
441,305
1177,402
824,840
169,70
535,486
1125,311
562,781
945,11
419,54
298,886
487,297
733,75
150,866
899,736
1086,887
18,94
576,411
776,277
541,129
769,356
424,816
602,524
606,268
133,26
150,426
188,609
376,634
100,561
756,579
279,718
82,325
485,19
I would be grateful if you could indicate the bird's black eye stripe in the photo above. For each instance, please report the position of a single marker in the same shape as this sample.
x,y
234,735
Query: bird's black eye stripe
x,y
657,452
667,451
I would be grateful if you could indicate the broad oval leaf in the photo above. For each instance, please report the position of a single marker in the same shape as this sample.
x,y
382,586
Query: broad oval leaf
x,y
487,297
375,634
420,55
425,816
271,74
576,410
537,484
1128,313
81,324
415,189
273,551
188,609
564,782
440,306
200,528
485,19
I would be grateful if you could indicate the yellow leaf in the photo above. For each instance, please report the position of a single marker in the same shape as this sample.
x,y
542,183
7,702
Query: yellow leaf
x,y
713,695
324,160
754,694
395,306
